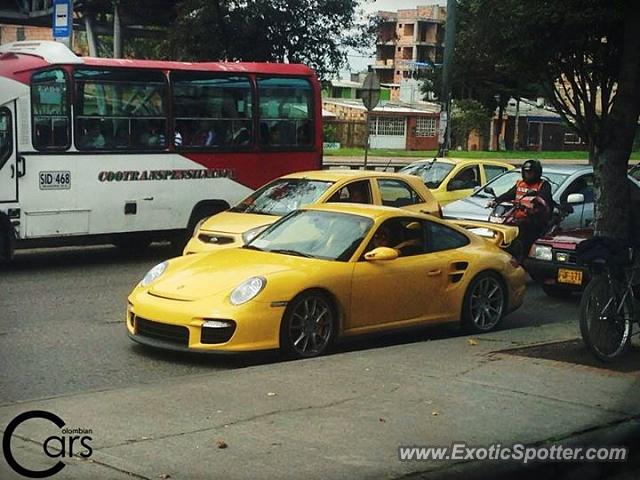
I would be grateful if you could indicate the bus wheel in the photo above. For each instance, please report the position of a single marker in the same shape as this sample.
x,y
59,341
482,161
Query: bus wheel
x,y
200,212
6,250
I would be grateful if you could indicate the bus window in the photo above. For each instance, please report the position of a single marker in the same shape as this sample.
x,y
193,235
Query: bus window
x,y
211,111
6,137
120,109
286,112
50,110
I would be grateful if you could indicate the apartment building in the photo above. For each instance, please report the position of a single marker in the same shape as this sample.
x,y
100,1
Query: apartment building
x,y
407,40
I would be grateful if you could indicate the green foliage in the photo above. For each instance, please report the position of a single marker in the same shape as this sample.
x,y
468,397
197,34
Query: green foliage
x,y
468,115
330,133
313,32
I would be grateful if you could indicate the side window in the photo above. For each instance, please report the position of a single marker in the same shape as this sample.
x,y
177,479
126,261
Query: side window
x,y
492,171
404,234
440,237
396,193
6,136
50,110
466,178
212,111
583,185
286,112
120,109
354,192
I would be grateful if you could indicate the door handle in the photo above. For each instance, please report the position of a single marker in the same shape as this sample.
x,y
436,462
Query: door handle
x,y
21,172
433,273
13,171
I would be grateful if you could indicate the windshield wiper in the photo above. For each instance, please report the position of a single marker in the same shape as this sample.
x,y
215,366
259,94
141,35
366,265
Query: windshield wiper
x,y
292,252
252,247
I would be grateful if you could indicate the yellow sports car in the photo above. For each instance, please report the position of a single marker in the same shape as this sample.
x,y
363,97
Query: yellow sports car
x,y
451,179
322,273
239,224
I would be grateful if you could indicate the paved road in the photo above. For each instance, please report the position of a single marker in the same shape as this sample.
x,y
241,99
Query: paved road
x,y
61,331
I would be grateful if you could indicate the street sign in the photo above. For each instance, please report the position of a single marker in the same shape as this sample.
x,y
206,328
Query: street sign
x,y
62,20
371,91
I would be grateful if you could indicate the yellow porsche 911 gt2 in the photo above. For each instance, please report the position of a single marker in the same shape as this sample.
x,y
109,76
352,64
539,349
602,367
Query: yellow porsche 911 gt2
x,y
322,273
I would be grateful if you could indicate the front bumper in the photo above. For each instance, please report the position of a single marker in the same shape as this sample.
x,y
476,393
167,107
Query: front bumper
x,y
543,271
179,325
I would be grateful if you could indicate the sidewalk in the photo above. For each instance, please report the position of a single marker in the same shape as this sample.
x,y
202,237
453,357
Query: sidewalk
x,y
342,416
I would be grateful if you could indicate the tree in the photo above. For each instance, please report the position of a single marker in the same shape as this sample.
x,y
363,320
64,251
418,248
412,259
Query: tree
x,y
313,32
468,115
585,54
144,24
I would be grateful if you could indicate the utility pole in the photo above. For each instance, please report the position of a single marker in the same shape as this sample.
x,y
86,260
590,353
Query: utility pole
x,y
445,97
117,32
370,95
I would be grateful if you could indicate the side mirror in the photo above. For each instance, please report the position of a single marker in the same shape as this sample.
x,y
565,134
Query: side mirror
x,y
575,198
490,191
477,188
381,253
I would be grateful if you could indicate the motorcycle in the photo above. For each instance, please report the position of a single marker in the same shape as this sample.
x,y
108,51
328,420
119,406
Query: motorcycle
x,y
515,212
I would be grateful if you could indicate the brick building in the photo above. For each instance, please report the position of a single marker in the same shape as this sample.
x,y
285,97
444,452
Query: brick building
x,y
391,125
16,33
408,38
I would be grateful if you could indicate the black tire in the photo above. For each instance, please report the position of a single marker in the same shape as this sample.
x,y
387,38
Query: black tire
x,y
302,324
555,291
4,248
485,302
200,212
606,334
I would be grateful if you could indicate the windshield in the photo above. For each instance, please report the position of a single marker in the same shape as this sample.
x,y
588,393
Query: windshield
x,y
283,196
504,182
431,173
309,233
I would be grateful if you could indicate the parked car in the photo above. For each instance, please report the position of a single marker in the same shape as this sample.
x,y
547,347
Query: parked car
x,y
552,260
451,179
324,272
564,179
239,224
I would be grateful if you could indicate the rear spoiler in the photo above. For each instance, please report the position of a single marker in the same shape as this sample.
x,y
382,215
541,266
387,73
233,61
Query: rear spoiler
x,y
501,235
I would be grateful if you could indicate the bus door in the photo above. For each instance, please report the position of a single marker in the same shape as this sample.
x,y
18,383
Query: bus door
x,y
9,171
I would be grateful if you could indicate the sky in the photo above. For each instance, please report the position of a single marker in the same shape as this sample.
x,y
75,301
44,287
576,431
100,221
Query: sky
x,y
357,61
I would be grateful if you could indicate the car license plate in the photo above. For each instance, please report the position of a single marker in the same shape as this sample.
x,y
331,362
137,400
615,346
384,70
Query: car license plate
x,y
573,277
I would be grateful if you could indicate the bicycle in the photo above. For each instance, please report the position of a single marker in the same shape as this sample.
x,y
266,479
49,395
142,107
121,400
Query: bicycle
x,y
608,307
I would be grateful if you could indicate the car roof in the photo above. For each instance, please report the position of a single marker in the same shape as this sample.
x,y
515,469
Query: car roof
x,y
363,209
461,161
335,175
566,169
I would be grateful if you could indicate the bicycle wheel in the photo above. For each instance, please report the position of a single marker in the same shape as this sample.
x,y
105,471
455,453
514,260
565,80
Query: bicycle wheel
x,y
605,325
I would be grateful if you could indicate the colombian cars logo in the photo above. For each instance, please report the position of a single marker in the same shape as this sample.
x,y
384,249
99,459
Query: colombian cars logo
x,y
68,443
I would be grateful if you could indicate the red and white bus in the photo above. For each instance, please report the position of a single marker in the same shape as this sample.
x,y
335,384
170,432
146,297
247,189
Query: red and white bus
x,y
96,150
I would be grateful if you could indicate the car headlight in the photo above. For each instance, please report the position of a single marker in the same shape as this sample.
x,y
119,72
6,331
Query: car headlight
x,y
253,233
541,252
247,290
153,274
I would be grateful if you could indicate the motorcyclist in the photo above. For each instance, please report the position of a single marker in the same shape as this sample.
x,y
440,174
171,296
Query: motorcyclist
x,y
532,220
